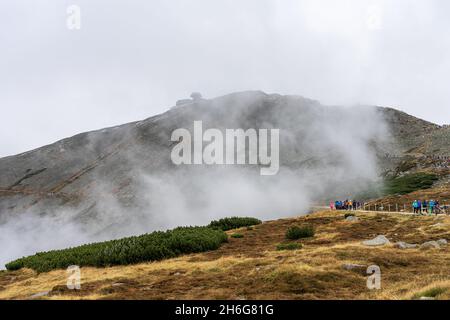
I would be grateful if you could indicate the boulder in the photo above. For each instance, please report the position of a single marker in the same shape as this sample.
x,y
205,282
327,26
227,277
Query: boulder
x,y
118,284
40,294
430,245
404,245
437,225
442,242
380,240
352,218
426,298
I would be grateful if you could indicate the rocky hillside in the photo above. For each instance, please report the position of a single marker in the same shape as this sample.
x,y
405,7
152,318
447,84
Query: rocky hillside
x,y
94,177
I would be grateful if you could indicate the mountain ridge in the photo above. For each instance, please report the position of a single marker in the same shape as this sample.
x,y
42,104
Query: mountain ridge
x,y
100,144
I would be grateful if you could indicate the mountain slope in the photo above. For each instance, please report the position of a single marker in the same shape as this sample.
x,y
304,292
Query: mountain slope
x,y
252,268
120,181
66,172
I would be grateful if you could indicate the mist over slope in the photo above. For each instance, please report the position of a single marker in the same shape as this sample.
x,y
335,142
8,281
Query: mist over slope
x,y
121,181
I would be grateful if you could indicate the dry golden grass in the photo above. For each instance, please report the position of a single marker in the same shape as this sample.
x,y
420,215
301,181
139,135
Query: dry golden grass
x,y
252,268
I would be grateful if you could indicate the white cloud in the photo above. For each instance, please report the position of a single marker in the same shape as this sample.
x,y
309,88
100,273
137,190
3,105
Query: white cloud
x,y
132,60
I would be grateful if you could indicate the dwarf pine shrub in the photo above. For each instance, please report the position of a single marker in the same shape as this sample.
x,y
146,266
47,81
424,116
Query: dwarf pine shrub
x,y
148,247
234,223
289,246
294,233
237,235
409,183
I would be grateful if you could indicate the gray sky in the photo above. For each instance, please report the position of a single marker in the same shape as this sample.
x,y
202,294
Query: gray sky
x,y
133,59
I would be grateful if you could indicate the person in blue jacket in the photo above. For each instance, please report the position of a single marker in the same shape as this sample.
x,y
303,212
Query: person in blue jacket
x,y
431,205
415,206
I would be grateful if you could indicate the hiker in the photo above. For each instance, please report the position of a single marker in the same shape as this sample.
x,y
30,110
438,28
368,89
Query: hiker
x,y
424,206
438,208
415,206
331,205
354,204
350,205
419,206
431,205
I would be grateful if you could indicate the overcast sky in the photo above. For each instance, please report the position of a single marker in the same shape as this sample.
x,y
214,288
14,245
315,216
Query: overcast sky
x,y
133,59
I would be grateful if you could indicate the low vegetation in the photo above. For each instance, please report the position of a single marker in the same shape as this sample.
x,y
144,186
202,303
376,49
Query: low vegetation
x,y
148,247
431,293
237,235
409,183
294,233
234,223
289,246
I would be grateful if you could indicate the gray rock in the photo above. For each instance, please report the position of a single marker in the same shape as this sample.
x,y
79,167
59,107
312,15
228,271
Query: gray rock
x,y
442,242
352,218
40,294
404,245
426,298
380,240
437,225
430,245
118,284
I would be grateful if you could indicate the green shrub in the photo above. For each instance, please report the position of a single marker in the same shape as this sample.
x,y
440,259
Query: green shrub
x,y
409,183
234,223
148,247
289,246
294,233
237,235
431,293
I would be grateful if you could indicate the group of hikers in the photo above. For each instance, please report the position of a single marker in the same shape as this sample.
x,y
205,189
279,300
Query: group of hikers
x,y
419,206
345,205
425,206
